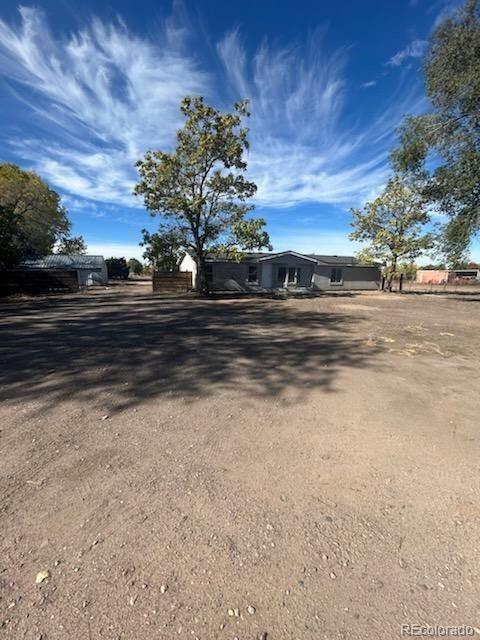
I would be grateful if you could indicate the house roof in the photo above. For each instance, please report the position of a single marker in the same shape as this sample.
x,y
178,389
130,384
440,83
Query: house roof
x,y
271,256
59,261
334,260
248,256
321,259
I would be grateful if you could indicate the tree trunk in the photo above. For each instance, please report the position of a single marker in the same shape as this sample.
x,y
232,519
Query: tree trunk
x,y
202,276
392,273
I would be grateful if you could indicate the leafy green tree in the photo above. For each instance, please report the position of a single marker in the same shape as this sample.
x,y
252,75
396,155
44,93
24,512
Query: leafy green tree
x,y
135,266
163,249
72,245
393,225
441,149
366,256
11,237
32,217
200,187
117,268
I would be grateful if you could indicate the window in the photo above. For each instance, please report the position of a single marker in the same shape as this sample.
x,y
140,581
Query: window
x,y
209,272
294,275
281,274
252,273
336,276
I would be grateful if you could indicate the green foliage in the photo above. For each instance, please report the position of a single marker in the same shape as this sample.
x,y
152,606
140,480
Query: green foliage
x,y
11,237
135,266
441,150
200,187
393,225
73,245
366,256
32,217
408,269
164,248
117,268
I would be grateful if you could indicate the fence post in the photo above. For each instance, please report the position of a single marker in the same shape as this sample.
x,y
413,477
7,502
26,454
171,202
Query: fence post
x,y
400,283
383,283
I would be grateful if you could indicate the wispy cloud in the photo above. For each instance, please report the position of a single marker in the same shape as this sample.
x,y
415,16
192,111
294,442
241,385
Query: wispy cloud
x,y
368,84
115,250
304,147
100,97
445,12
131,216
105,94
414,49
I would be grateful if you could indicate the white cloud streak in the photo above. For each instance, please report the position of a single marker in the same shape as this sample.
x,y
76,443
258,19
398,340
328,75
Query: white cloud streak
x,y
414,49
106,94
115,250
100,97
301,148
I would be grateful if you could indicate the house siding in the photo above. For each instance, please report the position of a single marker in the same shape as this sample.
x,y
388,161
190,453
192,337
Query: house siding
x,y
353,278
233,276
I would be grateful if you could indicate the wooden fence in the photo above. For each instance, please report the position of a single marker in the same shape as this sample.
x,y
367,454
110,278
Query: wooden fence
x,y
172,282
37,281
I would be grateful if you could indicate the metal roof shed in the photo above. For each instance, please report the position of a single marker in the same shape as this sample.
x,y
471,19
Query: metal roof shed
x,y
90,270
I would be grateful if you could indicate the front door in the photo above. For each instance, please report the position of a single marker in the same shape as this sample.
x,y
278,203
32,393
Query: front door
x,y
288,276
294,276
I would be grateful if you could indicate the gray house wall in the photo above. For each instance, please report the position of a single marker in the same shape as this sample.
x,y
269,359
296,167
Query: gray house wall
x,y
228,276
233,276
353,278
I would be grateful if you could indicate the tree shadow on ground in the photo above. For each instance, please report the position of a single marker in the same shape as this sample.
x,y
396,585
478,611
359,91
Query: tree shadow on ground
x,y
475,295
135,347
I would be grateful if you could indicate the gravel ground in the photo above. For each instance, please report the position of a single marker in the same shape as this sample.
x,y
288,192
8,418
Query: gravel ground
x,y
274,469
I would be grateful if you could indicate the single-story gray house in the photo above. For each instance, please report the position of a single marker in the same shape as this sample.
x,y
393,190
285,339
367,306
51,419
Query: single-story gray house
x,y
90,270
285,270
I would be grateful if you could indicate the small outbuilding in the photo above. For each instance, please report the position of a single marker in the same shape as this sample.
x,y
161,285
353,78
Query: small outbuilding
x,y
444,276
90,270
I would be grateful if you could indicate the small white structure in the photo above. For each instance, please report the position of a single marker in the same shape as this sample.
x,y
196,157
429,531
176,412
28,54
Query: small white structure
x,y
91,270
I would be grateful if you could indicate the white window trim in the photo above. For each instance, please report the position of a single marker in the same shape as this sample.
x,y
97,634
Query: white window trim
x,y
339,283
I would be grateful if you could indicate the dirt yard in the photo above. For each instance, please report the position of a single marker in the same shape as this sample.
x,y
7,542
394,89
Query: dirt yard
x,y
274,469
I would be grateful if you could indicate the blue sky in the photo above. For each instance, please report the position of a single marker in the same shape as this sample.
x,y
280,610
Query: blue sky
x,y
87,87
